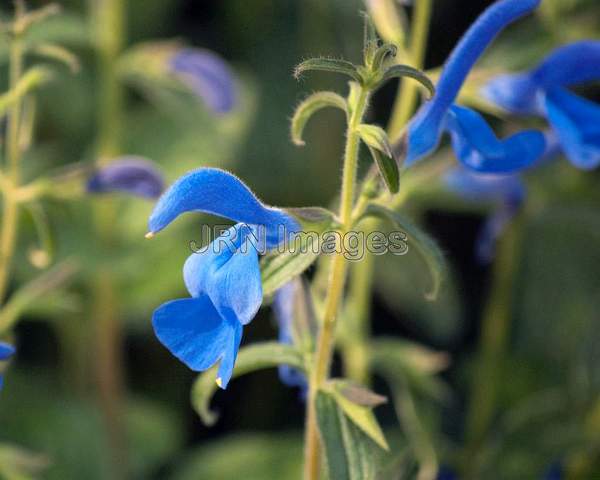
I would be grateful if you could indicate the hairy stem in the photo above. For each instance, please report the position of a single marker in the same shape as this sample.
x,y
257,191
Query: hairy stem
x,y
405,102
337,281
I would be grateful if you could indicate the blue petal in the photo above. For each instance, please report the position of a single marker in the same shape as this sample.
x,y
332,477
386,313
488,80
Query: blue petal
x,y
194,332
6,351
426,128
485,187
133,175
228,272
218,192
1,382
228,360
478,148
517,94
576,121
208,76
283,307
569,65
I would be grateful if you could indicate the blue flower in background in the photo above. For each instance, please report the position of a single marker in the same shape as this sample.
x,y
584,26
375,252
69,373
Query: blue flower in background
x,y
475,144
284,306
207,75
543,92
224,279
6,351
505,192
133,175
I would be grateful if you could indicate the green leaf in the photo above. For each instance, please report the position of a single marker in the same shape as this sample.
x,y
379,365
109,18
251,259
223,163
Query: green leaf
x,y
328,65
26,297
381,151
400,71
362,416
425,245
359,394
382,54
254,357
298,253
19,464
60,54
33,78
401,361
350,454
310,106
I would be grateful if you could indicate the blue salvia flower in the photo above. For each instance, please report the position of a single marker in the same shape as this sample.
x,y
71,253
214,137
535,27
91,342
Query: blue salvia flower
x,y
133,175
507,193
283,306
543,92
6,351
475,144
217,192
207,75
224,279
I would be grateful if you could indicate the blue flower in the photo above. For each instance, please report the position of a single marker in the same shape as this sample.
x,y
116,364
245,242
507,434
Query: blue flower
x,y
543,92
207,75
284,307
6,351
133,175
475,144
217,192
223,279
505,192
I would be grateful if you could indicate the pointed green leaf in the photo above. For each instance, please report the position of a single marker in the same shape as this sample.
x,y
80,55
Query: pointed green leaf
x,y
299,252
32,79
334,65
382,153
310,106
400,71
388,169
401,361
358,394
349,453
425,245
362,416
26,297
254,357
382,54
59,54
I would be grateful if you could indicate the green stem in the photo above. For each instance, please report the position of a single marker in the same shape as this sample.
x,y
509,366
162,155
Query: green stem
x,y
8,236
337,281
406,101
493,344
108,17
354,353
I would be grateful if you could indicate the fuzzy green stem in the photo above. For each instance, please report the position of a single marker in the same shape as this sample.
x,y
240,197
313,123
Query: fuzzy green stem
x,y
405,102
493,344
337,281
8,235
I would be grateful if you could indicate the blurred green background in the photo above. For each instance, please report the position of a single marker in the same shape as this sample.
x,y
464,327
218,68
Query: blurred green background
x,y
549,381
